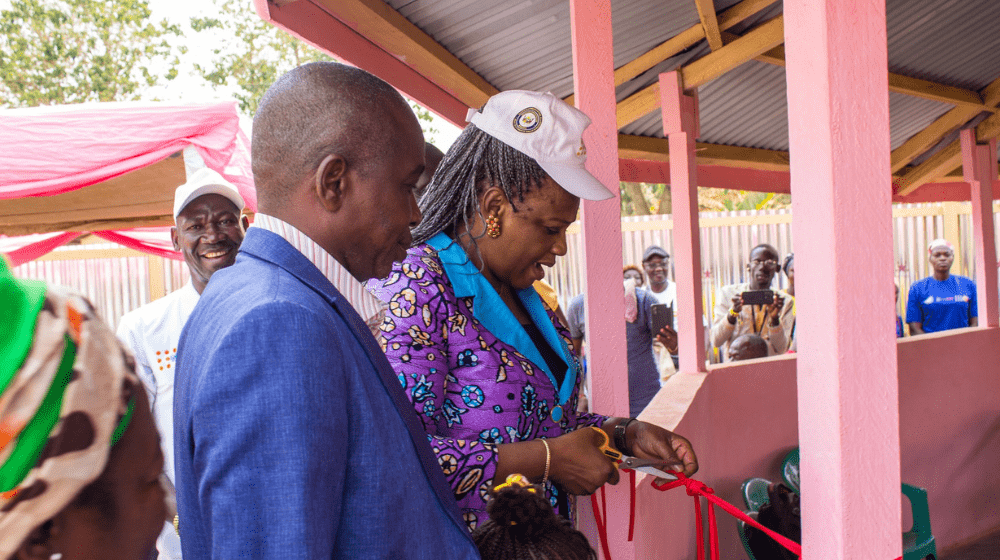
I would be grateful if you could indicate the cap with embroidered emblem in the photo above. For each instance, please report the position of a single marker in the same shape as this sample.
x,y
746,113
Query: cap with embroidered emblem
x,y
544,127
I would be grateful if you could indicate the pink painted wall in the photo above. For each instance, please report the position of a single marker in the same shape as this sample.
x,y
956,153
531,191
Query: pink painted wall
x,y
743,422
949,419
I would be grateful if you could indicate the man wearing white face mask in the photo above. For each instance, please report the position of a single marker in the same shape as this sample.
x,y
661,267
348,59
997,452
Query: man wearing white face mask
x,y
643,376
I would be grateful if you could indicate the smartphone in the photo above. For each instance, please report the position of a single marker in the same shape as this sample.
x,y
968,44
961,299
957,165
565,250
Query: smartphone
x,y
663,316
758,297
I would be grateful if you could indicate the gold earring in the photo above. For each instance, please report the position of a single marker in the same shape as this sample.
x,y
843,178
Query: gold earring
x,y
493,226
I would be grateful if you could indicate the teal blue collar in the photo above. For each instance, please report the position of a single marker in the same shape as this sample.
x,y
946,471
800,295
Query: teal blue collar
x,y
494,314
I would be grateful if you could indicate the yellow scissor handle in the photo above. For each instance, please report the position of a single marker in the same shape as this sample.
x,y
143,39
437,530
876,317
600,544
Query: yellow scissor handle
x,y
606,446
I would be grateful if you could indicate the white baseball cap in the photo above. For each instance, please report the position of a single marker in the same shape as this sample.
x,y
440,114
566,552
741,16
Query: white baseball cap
x,y
543,127
202,182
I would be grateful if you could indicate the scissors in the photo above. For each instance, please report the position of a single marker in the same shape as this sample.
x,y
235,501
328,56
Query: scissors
x,y
648,466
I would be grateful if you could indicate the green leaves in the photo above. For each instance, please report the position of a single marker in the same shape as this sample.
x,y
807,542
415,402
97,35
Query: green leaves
x,y
73,51
257,56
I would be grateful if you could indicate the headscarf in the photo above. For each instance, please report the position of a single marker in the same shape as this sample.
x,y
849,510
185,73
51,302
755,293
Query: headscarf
x,y
66,388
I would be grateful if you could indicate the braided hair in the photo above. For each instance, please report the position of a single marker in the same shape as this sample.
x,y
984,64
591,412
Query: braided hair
x,y
473,163
523,525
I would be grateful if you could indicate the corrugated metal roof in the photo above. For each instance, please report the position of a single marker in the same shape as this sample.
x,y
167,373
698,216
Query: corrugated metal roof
x,y
526,45
747,107
909,115
954,42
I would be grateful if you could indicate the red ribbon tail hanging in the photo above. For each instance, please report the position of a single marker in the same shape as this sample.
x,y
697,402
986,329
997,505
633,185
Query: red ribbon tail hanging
x,y
600,518
631,515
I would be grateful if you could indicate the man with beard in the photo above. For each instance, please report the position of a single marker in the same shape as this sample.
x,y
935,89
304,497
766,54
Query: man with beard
x,y
771,321
208,231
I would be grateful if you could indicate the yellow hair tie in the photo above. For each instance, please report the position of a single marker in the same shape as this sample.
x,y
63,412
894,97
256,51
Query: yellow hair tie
x,y
515,480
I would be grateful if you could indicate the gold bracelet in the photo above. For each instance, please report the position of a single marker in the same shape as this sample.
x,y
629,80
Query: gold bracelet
x,y
548,461
733,313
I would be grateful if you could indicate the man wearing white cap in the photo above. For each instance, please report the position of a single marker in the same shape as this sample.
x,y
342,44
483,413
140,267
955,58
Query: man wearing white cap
x,y
942,301
208,231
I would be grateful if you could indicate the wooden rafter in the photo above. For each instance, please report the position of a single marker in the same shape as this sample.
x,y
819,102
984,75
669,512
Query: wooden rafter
x,y
741,11
684,40
656,149
710,22
386,27
929,136
761,39
900,84
947,159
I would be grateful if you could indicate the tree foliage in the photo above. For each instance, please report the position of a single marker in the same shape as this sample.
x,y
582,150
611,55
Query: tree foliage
x,y
644,199
73,51
260,54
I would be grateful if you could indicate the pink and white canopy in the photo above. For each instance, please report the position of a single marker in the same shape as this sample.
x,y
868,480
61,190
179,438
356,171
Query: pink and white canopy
x,y
55,150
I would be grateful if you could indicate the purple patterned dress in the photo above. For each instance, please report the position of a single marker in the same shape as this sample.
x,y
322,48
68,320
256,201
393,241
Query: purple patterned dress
x,y
473,388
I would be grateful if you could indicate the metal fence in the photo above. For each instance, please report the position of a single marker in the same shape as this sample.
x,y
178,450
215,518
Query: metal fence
x,y
727,237
118,280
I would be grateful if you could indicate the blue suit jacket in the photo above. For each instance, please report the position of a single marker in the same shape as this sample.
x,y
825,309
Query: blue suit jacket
x,y
292,435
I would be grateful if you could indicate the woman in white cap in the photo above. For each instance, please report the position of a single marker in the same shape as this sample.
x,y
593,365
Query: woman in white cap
x,y
943,300
486,365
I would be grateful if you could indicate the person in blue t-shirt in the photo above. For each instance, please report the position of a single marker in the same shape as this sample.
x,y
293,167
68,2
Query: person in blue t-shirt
x,y
943,300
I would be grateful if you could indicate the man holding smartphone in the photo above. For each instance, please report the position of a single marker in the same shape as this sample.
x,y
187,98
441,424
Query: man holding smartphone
x,y
753,307
656,263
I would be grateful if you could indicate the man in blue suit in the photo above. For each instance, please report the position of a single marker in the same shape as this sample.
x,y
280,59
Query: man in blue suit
x,y
292,435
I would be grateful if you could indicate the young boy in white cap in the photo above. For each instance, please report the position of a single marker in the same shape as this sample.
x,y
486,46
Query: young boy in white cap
x,y
208,231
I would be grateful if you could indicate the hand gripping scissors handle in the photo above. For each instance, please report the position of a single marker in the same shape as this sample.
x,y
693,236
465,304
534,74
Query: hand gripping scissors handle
x,y
648,466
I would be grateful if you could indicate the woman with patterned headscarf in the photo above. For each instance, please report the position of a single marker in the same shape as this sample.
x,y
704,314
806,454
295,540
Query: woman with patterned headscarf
x,y
80,461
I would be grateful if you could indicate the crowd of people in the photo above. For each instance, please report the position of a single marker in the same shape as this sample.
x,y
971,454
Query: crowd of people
x,y
359,374
259,395
755,319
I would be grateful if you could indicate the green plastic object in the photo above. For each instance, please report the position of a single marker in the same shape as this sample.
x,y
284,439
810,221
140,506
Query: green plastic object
x,y
918,542
790,470
755,492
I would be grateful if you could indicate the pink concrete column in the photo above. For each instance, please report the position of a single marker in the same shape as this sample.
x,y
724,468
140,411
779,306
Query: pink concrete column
x,y
979,165
680,125
593,78
838,120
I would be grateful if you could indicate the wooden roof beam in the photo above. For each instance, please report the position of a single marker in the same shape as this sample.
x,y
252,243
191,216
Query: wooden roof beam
x,y
710,22
761,39
929,136
656,149
901,84
386,27
684,40
946,160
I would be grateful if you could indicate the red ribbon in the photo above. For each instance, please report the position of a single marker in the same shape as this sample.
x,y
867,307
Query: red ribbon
x,y
695,489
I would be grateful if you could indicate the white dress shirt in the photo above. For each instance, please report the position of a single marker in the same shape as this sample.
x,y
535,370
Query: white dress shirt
x,y
152,332
367,305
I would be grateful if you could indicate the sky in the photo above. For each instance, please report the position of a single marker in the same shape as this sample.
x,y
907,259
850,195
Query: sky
x,y
189,87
